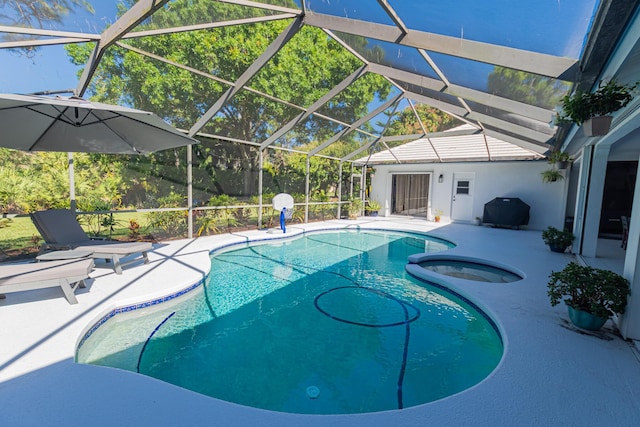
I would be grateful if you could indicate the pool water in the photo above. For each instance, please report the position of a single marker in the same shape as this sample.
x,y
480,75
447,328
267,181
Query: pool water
x,y
328,323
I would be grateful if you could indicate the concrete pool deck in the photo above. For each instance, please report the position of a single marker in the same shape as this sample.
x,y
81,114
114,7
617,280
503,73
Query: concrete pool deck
x,y
550,374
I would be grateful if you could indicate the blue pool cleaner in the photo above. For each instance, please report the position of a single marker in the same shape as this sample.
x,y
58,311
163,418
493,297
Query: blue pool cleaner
x,y
282,220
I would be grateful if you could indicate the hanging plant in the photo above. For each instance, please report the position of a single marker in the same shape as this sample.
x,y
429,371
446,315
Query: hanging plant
x,y
582,106
551,175
559,159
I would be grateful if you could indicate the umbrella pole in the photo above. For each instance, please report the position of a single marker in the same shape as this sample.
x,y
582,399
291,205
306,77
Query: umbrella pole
x,y
72,184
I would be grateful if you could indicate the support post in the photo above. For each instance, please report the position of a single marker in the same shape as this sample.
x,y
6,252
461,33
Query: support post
x,y
630,320
190,191
306,192
339,189
72,184
593,206
260,162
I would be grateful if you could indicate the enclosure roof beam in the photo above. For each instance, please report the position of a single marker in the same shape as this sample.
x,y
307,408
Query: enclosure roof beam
x,y
359,150
253,69
265,6
44,42
313,107
130,19
375,141
208,26
536,148
355,124
47,33
394,17
517,59
527,110
513,128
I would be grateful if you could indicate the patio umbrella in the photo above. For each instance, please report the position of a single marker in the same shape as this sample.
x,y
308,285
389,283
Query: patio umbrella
x,y
38,123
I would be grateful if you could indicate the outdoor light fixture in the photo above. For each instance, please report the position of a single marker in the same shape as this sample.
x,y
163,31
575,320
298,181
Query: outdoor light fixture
x,y
440,178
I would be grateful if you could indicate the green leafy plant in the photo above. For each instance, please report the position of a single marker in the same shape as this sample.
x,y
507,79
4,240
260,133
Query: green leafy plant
x,y
558,240
601,293
551,175
373,205
559,156
355,208
207,224
582,106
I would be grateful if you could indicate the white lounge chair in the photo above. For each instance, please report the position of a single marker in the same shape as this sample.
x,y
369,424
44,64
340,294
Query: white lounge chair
x,y
68,274
60,230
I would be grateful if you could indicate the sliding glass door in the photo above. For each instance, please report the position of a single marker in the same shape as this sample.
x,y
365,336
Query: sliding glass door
x,y
410,194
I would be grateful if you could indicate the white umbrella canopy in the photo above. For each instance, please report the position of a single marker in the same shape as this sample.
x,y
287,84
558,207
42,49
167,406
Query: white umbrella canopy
x,y
38,123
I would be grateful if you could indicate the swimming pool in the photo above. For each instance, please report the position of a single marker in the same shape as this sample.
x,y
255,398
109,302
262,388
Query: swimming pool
x,y
327,323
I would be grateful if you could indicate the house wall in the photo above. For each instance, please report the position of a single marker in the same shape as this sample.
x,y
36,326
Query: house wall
x,y
492,179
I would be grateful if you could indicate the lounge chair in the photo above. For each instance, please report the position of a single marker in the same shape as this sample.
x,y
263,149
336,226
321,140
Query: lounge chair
x,y
60,230
68,274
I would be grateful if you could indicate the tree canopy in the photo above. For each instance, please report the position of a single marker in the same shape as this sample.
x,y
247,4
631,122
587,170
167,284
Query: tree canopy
x,y
305,69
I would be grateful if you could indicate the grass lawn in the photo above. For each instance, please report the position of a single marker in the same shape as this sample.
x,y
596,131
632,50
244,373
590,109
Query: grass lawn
x,y
19,238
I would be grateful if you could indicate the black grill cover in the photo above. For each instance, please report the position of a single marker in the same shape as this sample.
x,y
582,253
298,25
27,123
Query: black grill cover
x,y
509,211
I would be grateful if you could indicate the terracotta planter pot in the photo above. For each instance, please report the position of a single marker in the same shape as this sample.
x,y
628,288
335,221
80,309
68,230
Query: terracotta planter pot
x,y
597,126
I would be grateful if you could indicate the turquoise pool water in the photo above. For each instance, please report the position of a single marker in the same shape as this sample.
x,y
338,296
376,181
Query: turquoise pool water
x,y
328,323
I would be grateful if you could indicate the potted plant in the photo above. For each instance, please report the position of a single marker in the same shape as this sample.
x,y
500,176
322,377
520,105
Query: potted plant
x,y
355,208
373,207
594,108
477,220
551,175
559,159
437,214
558,240
592,295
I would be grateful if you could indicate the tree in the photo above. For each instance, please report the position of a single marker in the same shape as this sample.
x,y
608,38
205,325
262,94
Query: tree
x,y
433,120
528,88
40,180
35,14
301,72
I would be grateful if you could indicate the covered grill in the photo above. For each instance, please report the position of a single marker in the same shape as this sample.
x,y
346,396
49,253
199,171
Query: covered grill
x,y
506,211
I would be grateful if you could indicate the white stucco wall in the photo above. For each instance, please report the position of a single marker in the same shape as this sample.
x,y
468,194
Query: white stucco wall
x,y
492,179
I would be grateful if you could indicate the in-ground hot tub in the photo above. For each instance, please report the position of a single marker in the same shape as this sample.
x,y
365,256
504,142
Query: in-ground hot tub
x,y
462,267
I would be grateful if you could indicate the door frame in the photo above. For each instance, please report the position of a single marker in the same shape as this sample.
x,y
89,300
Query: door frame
x,y
390,190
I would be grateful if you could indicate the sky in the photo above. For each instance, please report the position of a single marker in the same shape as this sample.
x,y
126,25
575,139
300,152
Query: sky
x,y
518,25
50,68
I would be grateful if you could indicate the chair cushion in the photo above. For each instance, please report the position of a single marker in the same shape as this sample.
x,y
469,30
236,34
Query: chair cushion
x,y
59,226
12,274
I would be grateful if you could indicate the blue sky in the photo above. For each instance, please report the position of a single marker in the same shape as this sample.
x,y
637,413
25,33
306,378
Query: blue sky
x,y
49,68
506,21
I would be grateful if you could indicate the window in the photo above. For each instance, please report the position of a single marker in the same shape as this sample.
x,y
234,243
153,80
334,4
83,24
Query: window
x,y
462,187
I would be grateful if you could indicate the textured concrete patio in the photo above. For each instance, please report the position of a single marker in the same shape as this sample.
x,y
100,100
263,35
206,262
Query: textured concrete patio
x,y
550,373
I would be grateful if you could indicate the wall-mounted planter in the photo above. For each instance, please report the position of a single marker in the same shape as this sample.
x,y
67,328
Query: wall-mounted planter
x,y
597,126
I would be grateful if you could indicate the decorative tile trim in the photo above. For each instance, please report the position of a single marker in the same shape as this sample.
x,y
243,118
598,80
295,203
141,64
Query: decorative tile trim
x,y
137,306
